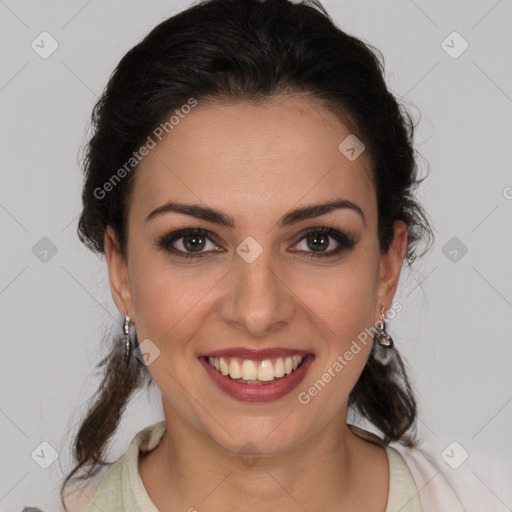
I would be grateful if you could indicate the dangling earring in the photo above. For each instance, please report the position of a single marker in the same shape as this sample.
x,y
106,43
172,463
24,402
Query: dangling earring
x,y
383,342
127,333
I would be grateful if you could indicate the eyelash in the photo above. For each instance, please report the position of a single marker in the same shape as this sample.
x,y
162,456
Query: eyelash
x,y
346,242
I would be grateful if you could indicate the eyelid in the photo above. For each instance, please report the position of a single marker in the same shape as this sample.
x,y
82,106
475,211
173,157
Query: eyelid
x,y
167,239
345,241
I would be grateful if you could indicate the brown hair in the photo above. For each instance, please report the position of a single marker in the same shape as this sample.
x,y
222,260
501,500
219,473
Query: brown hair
x,y
246,50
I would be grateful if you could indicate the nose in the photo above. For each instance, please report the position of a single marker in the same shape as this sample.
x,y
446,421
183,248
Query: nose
x,y
258,300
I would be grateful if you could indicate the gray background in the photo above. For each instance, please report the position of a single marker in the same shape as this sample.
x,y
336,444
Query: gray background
x,y
455,329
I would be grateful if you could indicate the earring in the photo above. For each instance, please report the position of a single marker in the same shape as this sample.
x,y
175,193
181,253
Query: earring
x,y
383,342
127,333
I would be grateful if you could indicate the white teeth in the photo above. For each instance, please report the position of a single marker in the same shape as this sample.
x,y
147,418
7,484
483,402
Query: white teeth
x,y
214,361
279,367
250,370
224,368
235,369
266,370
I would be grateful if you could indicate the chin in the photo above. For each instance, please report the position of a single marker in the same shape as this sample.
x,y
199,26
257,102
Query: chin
x,y
258,437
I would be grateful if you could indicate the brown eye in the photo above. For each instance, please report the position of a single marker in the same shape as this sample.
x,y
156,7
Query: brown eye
x,y
187,243
193,243
316,242
198,243
319,242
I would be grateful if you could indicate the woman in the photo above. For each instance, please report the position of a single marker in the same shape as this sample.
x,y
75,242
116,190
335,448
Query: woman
x,y
250,181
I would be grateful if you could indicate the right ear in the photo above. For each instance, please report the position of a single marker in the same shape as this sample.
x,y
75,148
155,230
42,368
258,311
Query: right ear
x,y
118,274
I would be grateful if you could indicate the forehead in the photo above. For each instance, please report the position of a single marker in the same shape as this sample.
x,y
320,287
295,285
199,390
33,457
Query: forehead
x,y
245,157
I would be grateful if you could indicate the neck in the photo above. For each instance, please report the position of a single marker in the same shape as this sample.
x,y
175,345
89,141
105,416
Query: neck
x,y
331,468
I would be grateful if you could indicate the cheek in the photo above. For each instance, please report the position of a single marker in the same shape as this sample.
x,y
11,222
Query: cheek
x,y
343,316
344,299
172,304
343,309
165,302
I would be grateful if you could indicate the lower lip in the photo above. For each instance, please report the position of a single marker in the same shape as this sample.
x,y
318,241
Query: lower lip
x,y
259,392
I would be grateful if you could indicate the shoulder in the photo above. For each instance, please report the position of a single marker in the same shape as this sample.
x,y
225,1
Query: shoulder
x,y
119,484
414,469
79,495
107,484
437,490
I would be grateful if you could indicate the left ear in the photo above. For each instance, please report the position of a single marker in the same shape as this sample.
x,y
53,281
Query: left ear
x,y
390,268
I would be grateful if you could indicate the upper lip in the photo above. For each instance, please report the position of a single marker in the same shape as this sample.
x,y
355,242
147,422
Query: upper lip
x,y
256,354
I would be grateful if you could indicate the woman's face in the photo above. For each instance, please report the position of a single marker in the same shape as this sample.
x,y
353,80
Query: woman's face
x,y
256,282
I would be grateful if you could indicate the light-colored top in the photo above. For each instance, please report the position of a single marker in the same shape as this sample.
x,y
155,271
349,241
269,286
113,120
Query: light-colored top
x,y
122,490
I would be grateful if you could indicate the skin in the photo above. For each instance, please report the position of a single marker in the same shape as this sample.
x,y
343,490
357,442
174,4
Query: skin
x,y
255,162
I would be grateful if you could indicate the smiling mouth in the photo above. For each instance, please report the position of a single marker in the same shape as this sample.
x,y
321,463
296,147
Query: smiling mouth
x,y
248,371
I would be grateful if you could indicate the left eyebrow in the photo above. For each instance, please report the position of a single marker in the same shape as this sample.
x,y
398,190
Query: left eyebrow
x,y
292,217
316,210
